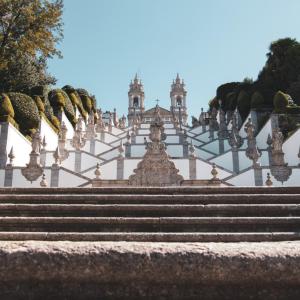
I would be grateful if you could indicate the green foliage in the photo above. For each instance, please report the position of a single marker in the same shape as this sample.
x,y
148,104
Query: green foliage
x,y
293,110
29,32
243,104
6,108
26,112
55,122
86,100
280,102
257,100
59,99
231,101
39,103
75,99
213,103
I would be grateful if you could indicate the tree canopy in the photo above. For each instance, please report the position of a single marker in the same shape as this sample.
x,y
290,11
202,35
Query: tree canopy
x,y
281,72
29,33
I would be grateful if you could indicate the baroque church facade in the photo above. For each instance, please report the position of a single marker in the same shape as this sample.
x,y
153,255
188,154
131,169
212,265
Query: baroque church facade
x,y
151,147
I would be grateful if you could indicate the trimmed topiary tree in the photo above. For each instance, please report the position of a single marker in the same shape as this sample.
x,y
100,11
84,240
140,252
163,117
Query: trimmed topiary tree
x,y
76,100
231,101
280,102
243,104
26,112
60,100
39,103
86,100
7,112
257,100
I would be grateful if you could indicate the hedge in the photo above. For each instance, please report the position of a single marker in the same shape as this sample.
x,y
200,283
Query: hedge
x,y
76,100
59,99
89,102
26,112
243,104
257,100
280,102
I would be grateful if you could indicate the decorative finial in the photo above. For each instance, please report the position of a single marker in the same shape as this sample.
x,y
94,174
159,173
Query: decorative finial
x,y
269,140
192,149
214,172
11,156
57,156
97,171
269,181
43,182
44,144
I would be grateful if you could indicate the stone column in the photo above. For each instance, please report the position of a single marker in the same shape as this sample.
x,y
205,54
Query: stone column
x,y
254,120
274,121
235,161
102,136
120,168
92,146
192,168
127,149
185,148
43,157
221,146
77,168
54,181
258,178
3,144
8,177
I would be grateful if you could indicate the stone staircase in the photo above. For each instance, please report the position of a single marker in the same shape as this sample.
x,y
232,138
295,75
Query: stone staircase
x,y
185,214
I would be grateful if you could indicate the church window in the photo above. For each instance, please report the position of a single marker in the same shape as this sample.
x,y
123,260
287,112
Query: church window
x,y
136,101
178,101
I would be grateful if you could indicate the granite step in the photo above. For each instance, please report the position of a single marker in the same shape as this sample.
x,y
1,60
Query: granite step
x,y
151,236
188,199
148,210
153,190
150,224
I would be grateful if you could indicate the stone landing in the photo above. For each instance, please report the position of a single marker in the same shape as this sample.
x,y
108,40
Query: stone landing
x,y
132,270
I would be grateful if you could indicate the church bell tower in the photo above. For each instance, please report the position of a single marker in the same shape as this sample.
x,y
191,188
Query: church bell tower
x,y
178,100
136,98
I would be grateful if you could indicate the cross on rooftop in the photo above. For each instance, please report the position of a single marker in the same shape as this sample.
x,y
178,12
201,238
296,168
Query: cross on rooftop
x,y
157,101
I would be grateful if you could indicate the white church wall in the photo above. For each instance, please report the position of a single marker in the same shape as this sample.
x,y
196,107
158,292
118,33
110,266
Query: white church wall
x,y
204,170
109,170
244,161
262,136
172,139
204,137
110,154
175,150
138,150
88,161
21,146
101,147
183,166
68,163
243,179
117,143
116,131
212,147
108,138
291,149
168,125
129,166
68,179
170,131
203,154
49,134
242,132
194,141
139,139
144,125
20,181
224,160
143,132
70,132
2,176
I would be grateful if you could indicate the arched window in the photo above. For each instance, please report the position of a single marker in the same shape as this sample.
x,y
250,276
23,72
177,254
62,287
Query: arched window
x,y
178,101
136,101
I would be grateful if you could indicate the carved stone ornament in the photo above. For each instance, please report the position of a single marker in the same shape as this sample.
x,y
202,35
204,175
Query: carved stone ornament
x,y
252,151
223,132
78,140
33,169
156,169
279,169
90,128
100,124
62,139
235,140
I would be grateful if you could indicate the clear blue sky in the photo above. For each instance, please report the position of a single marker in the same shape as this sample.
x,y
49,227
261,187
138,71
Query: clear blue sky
x,y
209,42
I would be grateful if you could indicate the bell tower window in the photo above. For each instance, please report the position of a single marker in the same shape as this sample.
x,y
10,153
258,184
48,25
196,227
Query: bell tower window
x,y
136,102
178,101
